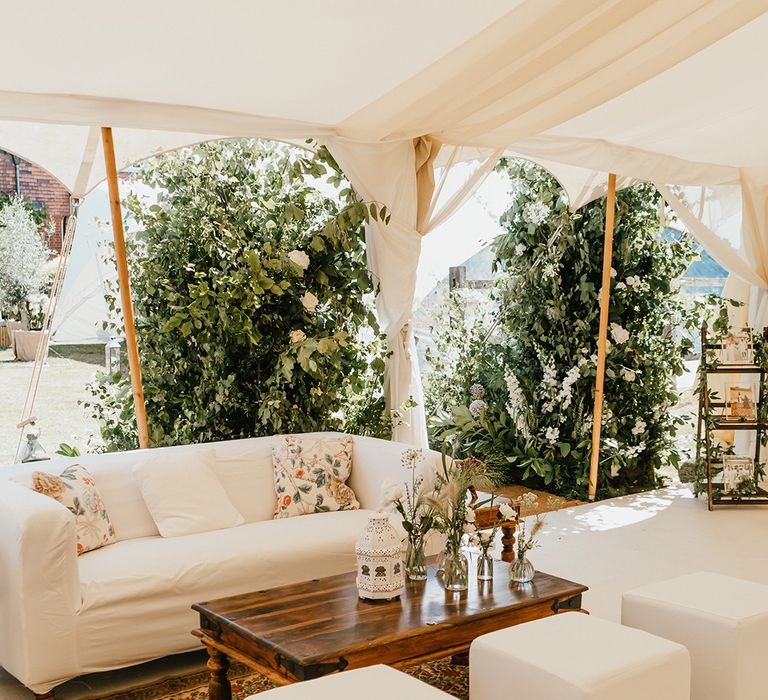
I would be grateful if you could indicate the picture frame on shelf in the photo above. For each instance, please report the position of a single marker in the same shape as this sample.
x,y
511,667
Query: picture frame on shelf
x,y
740,402
737,348
736,470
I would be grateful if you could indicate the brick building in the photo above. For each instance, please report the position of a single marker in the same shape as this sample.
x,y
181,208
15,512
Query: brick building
x,y
39,188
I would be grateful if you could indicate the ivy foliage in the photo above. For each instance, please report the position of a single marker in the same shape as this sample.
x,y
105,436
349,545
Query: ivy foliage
x,y
524,375
254,308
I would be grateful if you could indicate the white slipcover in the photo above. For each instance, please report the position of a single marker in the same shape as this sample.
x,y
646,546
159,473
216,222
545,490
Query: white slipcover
x,y
63,615
372,683
573,656
723,621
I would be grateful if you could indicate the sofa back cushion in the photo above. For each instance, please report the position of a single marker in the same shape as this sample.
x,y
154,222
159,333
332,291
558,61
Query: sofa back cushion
x,y
183,492
244,468
375,461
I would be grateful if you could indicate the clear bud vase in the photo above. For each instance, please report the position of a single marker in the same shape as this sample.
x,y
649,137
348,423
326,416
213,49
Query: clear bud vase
x,y
415,560
484,567
521,570
456,572
441,562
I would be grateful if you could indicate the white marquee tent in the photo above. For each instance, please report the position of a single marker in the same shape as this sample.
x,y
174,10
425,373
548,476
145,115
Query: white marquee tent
x,y
669,92
82,310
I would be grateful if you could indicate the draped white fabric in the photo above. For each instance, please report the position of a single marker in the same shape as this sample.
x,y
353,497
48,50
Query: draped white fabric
x,y
754,229
648,89
387,173
713,216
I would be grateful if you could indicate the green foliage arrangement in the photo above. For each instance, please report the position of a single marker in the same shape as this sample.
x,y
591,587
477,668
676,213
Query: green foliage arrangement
x,y
514,377
253,302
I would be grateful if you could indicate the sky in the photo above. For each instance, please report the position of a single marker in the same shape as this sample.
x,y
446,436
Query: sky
x,y
471,228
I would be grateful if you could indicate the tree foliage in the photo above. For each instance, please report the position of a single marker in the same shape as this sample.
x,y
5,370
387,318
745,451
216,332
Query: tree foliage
x,y
525,380
23,256
252,298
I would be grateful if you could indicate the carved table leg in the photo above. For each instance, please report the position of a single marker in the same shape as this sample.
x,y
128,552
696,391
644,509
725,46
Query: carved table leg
x,y
219,687
508,540
460,659
44,696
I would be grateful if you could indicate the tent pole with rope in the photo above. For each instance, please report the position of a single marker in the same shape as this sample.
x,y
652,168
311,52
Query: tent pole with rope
x,y
134,362
602,335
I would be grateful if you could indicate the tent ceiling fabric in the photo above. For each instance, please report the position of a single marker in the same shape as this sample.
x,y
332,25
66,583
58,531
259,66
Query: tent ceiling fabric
x,y
647,88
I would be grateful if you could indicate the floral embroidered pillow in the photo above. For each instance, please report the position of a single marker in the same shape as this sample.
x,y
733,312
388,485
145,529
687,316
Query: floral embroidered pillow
x,y
74,489
310,475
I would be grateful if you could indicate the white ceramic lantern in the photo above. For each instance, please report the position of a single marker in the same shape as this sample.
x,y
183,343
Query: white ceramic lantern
x,y
380,568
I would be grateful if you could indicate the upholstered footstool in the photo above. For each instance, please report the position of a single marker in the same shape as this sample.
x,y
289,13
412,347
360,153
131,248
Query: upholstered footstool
x,y
723,622
577,657
370,683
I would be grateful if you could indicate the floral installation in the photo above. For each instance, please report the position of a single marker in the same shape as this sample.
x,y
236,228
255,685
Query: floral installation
x,y
266,322
532,344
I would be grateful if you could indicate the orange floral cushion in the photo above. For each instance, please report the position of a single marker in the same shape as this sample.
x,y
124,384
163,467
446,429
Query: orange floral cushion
x,y
310,475
74,488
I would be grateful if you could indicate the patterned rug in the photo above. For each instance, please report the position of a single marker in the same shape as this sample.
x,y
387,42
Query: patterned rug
x,y
442,674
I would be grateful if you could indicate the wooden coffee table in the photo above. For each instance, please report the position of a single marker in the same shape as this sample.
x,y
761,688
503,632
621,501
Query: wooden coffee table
x,y
306,630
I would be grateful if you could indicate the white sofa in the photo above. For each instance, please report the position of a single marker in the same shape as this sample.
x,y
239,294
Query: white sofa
x,y
62,615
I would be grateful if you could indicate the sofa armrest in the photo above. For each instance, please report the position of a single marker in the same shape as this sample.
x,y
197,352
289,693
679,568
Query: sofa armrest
x,y
39,587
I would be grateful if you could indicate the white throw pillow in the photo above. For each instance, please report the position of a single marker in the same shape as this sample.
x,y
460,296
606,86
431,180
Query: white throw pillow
x,y
183,493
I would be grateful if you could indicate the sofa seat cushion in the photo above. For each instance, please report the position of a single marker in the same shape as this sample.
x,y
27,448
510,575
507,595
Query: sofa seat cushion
x,y
136,602
218,563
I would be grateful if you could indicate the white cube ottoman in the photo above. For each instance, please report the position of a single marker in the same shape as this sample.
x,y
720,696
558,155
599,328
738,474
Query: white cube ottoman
x,y
577,657
723,622
370,683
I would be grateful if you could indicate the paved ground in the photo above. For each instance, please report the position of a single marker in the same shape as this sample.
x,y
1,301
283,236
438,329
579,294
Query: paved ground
x,y
62,385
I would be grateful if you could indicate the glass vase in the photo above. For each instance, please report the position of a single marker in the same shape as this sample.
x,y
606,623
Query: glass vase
x,y
441,562
484,567
415,561
521,570
456,572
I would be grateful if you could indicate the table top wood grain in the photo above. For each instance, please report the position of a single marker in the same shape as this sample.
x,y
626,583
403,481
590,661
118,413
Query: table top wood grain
x,y
319,626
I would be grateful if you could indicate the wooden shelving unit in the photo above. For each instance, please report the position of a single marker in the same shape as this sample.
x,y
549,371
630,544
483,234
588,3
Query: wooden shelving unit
x,y
710,418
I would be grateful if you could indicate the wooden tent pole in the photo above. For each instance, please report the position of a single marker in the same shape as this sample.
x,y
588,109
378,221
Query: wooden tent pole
x,y
602,336
134,364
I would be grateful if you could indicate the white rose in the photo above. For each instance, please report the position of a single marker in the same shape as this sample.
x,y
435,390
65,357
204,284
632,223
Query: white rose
x,y
470,515
507,511
519,249
628,375
613,273
621,285
620,335
486,536
391,491
309,301
297,336
299,258
469,529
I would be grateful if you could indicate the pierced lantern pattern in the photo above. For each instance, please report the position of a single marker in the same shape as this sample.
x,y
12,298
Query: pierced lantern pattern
x,y
380,568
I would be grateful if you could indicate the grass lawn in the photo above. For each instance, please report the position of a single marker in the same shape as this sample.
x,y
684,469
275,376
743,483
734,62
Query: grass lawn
x,y
62,384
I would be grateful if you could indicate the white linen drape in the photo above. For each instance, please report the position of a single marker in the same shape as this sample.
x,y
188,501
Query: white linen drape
x,y
713,215
401,175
